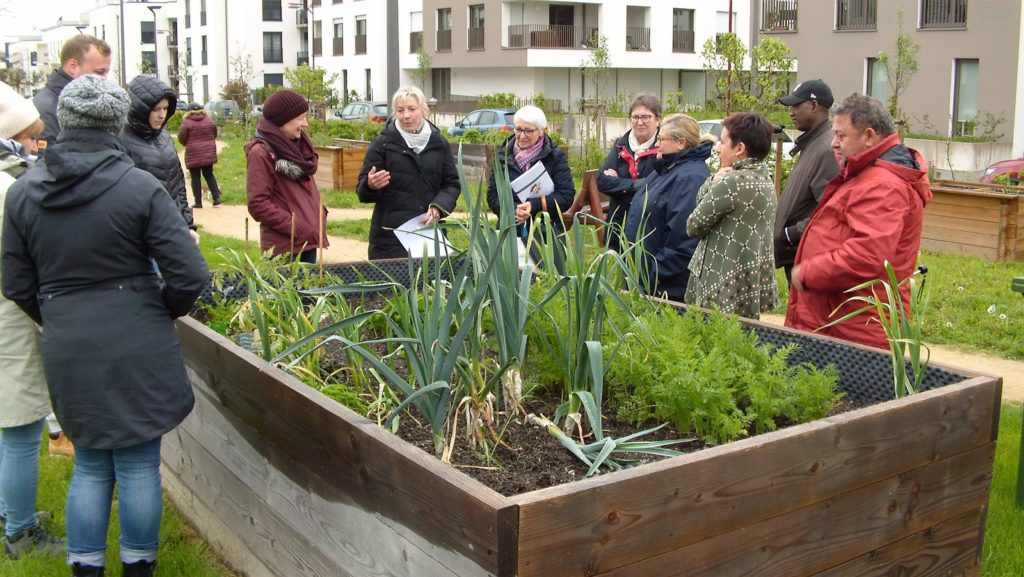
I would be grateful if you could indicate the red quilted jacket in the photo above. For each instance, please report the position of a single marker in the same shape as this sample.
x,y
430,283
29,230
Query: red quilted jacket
x,y
198,134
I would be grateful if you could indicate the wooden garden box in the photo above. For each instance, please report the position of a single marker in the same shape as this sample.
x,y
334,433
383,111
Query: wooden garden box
x,y
974,219
339,166
283,481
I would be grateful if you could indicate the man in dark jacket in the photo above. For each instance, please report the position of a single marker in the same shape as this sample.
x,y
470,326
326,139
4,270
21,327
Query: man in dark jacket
x,y
150,146
815,167
79,230
82,54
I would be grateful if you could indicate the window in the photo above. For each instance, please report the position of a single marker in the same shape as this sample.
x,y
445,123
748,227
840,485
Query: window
x,y
878,80
188,15
778,15
318,38
206,87
339,37
965,97
203,61
856,14
272,51
444,30
943,13
723,24
441,83
369,88
188,51
149,57
415,32
476,27
360,34
682,30
148,32
344,85
202,13
273,80
271,10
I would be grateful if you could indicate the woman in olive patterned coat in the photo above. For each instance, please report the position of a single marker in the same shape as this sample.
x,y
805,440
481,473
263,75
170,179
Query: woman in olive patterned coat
x,y
733,268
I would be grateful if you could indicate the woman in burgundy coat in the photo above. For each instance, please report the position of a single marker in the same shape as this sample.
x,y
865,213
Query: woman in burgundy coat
x,y
198,134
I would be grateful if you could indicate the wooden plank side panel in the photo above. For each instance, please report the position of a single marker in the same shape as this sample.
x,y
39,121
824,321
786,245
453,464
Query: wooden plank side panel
x,y
986,214
599,524
375,470
970,199
963,224
817,538
939,245
966,237
948,548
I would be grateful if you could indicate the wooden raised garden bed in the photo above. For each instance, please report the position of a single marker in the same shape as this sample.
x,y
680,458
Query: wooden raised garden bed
x,y
284,481
974,219
339,165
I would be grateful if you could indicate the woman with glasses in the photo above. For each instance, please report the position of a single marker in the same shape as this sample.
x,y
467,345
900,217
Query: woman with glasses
x,y
734,266
524,149
658,213
408,171
630,162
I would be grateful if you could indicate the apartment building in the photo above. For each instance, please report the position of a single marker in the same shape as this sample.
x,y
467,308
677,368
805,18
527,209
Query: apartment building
x,y
29,55
530,47
970,58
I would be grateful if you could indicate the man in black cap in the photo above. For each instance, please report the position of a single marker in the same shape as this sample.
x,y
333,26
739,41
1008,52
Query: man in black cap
x,y
815,167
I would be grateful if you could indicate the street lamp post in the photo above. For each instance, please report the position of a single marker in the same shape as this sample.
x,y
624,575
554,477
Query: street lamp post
x,y
304,5
156,47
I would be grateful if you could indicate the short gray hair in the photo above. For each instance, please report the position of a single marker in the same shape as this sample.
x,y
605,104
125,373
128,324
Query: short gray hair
x,y
532,115
648,101
410,92
866,112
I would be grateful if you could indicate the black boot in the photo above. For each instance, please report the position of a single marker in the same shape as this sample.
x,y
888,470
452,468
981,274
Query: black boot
x,y
139,569
78,570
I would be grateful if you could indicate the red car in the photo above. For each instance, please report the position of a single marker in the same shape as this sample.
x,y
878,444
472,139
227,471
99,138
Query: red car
x,y
1011,167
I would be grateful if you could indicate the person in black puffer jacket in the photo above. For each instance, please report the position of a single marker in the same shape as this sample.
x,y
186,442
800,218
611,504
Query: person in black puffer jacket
x,y
408,171
150,146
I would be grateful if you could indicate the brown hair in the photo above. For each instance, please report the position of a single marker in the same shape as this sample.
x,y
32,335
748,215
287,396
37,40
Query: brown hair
x,y
751,129
648,101
76,47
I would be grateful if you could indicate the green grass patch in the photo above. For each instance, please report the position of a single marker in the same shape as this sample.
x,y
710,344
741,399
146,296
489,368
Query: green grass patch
x,y
1003,555
354,229
209,243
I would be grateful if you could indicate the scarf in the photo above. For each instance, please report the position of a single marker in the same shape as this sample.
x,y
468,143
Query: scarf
x,y
525,157
640,147
298,151
417,141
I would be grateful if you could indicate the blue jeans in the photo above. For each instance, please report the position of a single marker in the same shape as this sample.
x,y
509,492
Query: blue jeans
x,y
19,475
136,471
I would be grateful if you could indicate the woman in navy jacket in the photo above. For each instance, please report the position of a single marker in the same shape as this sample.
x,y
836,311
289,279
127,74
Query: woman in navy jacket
x,y
658,213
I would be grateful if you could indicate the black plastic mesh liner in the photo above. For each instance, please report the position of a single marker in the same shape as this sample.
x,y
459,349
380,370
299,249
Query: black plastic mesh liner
x,y
865,376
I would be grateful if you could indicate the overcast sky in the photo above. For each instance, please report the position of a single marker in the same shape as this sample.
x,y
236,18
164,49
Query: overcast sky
x,y
19,17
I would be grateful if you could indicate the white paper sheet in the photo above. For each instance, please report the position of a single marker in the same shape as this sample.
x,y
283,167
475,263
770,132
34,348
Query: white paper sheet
x,y
533,183
418,238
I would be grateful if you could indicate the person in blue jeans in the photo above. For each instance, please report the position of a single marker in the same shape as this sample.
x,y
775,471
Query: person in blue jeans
x,y
78,233
22,382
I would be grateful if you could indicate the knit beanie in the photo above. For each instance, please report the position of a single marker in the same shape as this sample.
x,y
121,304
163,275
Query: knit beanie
x,y
16,112
91,101
283,106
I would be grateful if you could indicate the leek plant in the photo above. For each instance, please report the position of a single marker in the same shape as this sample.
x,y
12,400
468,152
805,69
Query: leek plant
x,y
902,324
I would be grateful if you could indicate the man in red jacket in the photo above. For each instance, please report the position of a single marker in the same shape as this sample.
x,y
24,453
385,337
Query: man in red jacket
x,y
871,213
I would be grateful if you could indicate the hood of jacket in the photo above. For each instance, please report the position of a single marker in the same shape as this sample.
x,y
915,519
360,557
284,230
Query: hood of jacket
x,y
890,154
96,156
146,92
667,162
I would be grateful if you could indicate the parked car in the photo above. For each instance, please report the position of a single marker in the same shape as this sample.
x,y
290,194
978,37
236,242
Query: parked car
x,y
1015,165
223,109
714,128
373,111
484,120
181,105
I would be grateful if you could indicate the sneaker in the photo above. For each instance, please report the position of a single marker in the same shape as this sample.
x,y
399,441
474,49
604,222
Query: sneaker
x,y
33,539
197,206
217,203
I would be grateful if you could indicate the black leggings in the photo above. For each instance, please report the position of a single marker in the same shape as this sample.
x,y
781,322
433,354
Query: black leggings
x,y
211,181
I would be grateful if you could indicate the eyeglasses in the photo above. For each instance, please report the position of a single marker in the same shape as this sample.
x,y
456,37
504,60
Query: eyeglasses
x,y
527,131
641,117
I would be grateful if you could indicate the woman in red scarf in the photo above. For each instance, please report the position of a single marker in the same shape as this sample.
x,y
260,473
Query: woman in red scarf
x,y
282,193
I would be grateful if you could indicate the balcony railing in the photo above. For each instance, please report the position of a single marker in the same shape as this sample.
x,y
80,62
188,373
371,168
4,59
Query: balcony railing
x,y
415,42
476,39
318,46
857,15
301,18
682,41
444,41
549,36
339,46
638,38
360,43
778,15
944,14
302,57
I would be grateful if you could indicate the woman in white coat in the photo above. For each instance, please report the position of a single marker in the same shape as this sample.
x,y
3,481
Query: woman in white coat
x,y
22,383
